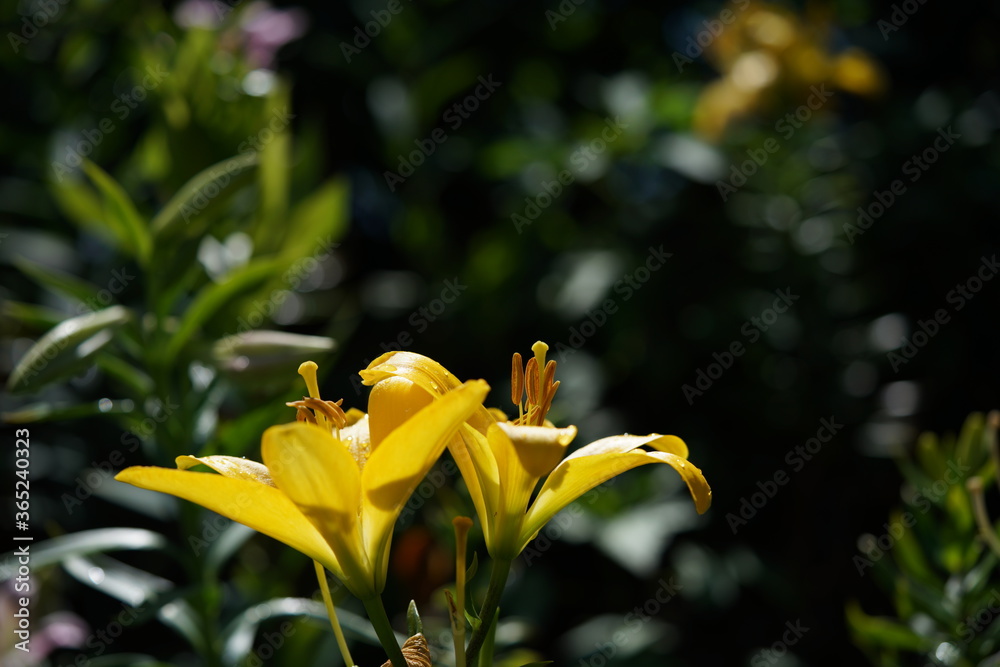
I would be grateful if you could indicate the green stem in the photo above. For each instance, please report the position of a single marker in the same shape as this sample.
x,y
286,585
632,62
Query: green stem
x,y
332,613
380,621
498,579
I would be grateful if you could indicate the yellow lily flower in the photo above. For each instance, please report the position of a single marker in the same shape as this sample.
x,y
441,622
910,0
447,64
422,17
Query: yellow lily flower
x,y
333,483
503,461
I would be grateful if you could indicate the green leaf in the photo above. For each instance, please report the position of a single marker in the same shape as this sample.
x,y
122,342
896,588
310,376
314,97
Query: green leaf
x,y
216,295
121,213
219,175
86,542
35,317
126,660
66,347
317,221
83,207
237,637
112,577
884,632
60,282
227,543
47,412
129,375
275,176
147,593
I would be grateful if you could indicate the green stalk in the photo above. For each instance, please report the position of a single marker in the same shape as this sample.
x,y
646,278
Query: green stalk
x,y
380,621
487,615
332,613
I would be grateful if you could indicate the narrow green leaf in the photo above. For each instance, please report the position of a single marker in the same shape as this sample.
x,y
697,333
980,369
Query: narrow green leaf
x,y
66,347
83,207
86,542
216,295
60,282
188,199
884,632
112,577
118,207
47,412
35,317
274,178
223,545
126,660
237,637
129,375
317,221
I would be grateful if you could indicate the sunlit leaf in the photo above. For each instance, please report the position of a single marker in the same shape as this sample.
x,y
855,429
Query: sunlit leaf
x,y
317,221
60,282
237,638
66,347
191,198
47,412
122,213
225,545
884,632
86,542
215,296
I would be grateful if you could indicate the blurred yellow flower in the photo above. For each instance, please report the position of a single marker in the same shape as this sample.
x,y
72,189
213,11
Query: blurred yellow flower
x,y
332,484
768,55
502,461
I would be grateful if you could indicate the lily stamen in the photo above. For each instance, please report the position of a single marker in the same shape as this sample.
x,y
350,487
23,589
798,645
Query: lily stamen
x,y
516,380
531,380
331,410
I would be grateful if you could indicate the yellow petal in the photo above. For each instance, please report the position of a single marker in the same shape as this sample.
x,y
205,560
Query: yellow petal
x,y
470,451
524,454
229,466
404,458
626,443
539,448
259,506
431,376
426,372
475,461
577,475
321,477
393,401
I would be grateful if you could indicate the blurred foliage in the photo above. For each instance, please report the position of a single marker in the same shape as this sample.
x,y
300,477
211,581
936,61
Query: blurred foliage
x,y
442,263
937,556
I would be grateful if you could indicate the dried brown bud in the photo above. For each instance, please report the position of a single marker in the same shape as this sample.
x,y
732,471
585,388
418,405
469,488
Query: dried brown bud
x,y
415,651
